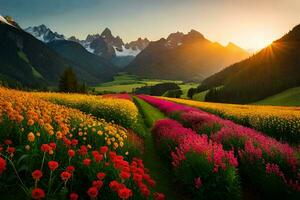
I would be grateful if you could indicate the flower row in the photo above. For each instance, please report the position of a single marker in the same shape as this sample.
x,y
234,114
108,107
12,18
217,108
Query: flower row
x,y
201,166
282,123
261,158
120,111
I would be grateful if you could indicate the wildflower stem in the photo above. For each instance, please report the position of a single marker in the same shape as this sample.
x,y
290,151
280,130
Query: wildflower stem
x,y
43,161
16,172
50,183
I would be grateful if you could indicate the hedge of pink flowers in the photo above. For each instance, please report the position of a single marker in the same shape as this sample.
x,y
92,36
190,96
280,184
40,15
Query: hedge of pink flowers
x,y
216,175
269,165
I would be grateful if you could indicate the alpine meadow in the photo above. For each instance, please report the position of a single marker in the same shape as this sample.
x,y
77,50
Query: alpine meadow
x,y
150,100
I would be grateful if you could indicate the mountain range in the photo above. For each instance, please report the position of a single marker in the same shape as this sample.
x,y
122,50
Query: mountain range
x,y
270,71
104,45
30,62
184,57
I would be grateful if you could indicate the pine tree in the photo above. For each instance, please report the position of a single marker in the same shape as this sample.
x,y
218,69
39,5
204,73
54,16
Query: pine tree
x,y
68,81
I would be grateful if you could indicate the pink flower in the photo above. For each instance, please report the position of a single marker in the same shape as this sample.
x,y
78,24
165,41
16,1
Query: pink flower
x,y
198,182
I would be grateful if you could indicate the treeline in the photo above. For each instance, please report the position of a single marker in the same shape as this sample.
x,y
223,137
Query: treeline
x,y
161,89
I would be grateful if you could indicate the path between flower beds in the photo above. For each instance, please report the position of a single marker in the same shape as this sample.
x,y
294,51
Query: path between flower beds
x,y
158,169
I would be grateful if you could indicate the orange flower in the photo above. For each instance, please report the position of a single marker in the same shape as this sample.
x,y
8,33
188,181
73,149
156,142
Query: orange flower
x,y
30,122
30,137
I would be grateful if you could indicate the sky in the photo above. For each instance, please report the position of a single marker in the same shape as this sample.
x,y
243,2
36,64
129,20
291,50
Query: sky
x,y
251,24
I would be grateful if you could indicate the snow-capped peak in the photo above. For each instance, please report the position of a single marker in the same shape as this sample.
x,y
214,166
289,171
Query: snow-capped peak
x,y
44,34
126,51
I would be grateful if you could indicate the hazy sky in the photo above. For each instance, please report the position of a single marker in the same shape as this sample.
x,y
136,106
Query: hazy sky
x,y
250,24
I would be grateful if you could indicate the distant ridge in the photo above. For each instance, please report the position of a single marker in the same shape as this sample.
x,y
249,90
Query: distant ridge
x,y
268,72
184,57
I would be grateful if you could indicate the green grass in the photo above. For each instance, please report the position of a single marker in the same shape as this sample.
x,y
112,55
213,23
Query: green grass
x,y
126,83
159,170
150,113
290,97
23,56
200,96
185,88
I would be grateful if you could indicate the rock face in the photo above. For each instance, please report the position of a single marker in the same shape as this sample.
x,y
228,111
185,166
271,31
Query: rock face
x,y
184,57
112,47
44,34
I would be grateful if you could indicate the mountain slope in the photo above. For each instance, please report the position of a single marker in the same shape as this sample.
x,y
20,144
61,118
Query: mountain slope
x,y
28,61
97,66
184,57
272,70
290,97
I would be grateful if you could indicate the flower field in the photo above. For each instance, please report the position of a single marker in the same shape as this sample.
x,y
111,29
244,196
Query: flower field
x,y
119,110
261,159
54,152
282,123
75,146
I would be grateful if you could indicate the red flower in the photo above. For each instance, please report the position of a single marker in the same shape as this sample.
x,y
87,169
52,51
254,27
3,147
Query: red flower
x,y
97,156
11,150
65,176
52,145
198,182
137,178
87,162
101,175
74,142
124,193
73,196
2,165
92,192
83,150
151,182
36,174
71,153
45,148
145,191
8,142
103,149
38,193
124,175
53,165
70,169
114,185
98,184
159,196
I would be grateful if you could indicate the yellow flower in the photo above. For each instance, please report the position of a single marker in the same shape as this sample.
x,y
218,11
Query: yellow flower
x,y
38,134
59,135
30,137
100,132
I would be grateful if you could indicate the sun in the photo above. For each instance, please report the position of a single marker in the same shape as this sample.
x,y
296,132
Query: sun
x,y
259,42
